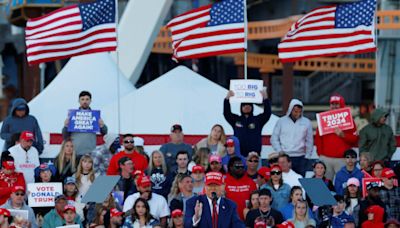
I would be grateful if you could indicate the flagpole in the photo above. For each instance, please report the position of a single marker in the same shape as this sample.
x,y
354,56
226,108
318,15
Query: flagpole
x,y
245,39
118,86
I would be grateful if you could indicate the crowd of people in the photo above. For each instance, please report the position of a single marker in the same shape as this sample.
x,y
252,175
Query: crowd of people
x,y
221,181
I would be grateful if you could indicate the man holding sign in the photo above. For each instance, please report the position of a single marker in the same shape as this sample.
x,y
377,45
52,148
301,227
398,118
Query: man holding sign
x,y
331,147
248,127
83,133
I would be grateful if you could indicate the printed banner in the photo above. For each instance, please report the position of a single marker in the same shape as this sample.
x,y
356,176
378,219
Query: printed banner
x,y
43,194
366,181
84,121
338,118
19,214
247,91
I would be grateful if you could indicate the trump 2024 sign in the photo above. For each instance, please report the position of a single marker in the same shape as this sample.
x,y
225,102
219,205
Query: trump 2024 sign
x,y
338,118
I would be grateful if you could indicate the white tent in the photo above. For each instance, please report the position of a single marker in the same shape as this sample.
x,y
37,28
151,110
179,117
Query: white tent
x,y
96,73
179,96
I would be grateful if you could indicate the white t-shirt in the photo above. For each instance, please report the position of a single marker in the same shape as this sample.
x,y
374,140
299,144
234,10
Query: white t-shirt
x,y
158,205
25,161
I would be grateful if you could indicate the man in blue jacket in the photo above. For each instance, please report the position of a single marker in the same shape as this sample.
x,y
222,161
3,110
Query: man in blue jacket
x,y
247,127
347,171
212,210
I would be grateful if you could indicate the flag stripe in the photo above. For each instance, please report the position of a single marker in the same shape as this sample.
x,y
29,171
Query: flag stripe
x,y
199,15
60,24
62,41
325,36
190,25
61,17
189,14
333,41
329,45
101,37
50,58
185,47
205,50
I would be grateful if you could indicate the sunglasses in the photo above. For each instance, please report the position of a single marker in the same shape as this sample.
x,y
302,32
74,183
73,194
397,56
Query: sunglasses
x,y
276,172
238,166
350,157
129,141
253,161
19,194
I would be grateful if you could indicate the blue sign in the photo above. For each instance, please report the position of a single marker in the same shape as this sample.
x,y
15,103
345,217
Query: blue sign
x,y
84,121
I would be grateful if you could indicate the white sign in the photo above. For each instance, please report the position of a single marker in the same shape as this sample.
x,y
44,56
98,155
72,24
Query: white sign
x,y
43,194
70,226
247,91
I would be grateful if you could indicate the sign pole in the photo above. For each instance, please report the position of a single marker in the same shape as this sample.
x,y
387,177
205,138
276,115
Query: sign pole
x,y
245,38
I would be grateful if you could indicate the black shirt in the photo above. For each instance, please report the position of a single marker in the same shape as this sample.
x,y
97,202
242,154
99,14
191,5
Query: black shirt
x,y
272,214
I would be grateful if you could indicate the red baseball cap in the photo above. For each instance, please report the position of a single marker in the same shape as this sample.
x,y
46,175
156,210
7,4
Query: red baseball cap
x,y
198,168
115,212
27,136
18,188
144,181
69,207
276,167
286,224
388,173
264,172
176,213
230,143
214,178
5,212
10,165
215,158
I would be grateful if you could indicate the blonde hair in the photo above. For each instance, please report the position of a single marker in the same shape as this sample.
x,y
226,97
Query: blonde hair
x,y
222,139
199,156
175,186
163,164
79,173
306,216
61,160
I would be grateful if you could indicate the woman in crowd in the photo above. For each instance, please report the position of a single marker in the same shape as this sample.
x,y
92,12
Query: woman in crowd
x,y
215,164
296,194
84,176
377,168
301,218
319,168
176,219
352,197
252,203
65,162
140,216
98,221
157,171
98,214
279,190
365,162
200,157
215,141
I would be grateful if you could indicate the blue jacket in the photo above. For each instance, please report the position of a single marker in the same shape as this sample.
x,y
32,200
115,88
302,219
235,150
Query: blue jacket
x,y
343,175
339,221
227,216
226,158
280,197
13,124
248,129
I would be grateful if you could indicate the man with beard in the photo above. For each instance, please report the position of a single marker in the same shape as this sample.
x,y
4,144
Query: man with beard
x,y
238,185
247,127
158,205
211,209
140,162
264,212
373,198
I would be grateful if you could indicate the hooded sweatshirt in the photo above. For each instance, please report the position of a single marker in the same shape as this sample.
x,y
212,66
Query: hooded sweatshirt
x,y
14,124
227,157
324,143
377,221
377,139
31,214
248,129
294,137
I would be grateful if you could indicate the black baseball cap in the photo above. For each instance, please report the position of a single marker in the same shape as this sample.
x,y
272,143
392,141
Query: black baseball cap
x,y
176,127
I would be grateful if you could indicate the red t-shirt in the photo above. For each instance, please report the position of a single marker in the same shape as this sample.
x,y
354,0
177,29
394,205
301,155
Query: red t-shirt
x,y
239,190
139,161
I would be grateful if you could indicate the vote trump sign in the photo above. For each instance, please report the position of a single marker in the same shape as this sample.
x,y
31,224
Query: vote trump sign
x,y
330,120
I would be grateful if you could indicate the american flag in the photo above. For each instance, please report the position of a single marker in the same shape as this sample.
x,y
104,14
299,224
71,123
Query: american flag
x,y
208,31
70,31
331,30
